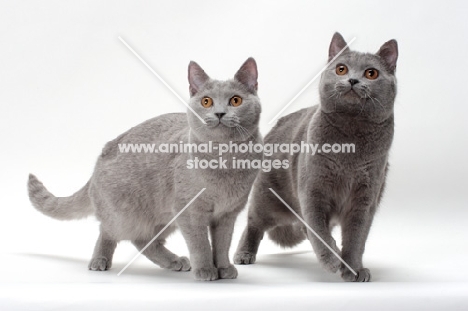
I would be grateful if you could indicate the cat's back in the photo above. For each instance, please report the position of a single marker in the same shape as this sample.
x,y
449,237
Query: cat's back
x,y
163,127
127,185
121,172
132,156
166,128
292,127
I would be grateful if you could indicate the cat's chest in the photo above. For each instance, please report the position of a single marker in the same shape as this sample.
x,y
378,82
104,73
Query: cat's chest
x,y
340,184
352,150
224,184
346,186
227,183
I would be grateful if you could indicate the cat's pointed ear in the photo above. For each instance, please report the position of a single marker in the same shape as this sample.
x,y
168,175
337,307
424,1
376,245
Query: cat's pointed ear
x,y
336,45
197,77
248,74
389,54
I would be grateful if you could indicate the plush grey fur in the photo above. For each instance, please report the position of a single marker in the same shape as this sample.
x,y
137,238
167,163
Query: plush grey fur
x,y
134,195
329,189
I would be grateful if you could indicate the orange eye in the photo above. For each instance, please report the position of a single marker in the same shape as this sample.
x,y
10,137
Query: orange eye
x,y
206,102
341,69
236,101
371,74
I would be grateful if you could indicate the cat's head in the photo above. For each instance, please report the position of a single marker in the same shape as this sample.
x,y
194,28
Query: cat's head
x,y
231,109
359,84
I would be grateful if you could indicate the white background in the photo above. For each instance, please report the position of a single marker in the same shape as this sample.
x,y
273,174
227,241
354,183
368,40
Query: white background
x,y
68,85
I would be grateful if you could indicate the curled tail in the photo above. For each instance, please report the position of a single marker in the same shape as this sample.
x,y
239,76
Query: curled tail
x,y
73,207
287,236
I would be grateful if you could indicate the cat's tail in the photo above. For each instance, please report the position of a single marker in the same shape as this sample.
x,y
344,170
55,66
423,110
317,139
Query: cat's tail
x,y
67,208
287,236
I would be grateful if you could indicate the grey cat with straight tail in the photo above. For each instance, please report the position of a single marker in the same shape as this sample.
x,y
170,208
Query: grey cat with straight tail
x,y
357,94
134,195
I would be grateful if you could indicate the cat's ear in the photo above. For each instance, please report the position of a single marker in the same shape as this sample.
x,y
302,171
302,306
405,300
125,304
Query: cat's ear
x,y
336,45
248,74
197,77
389,54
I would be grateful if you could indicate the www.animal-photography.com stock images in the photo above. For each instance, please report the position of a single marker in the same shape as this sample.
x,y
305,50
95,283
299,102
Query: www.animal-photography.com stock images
x,y
234,155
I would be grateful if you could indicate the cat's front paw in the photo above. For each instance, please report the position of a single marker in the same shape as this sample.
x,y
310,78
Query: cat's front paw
x,y
227,273
181,264
206,274
244,258
99,264
363,275
330,262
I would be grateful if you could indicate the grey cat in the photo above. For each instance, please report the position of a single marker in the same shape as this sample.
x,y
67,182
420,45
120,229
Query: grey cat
x,y
357,93
134,195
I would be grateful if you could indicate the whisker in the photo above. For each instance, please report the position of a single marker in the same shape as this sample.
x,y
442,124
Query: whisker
x,y
245,131
373,99
362,108
379,103
240,133
373,103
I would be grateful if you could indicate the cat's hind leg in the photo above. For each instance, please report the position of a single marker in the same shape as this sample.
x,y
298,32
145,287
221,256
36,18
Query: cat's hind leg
x,y
103,252
248,245
261,217
160,255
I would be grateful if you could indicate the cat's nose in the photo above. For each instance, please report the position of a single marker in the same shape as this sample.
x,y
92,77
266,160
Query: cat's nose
x,y
220,115
353,81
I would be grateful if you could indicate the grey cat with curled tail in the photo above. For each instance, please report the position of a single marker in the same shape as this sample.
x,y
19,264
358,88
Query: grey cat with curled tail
x,y
135,195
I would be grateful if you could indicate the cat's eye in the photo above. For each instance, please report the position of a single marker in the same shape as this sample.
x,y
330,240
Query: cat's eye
x,y
235,101
341,69
207,102
371,73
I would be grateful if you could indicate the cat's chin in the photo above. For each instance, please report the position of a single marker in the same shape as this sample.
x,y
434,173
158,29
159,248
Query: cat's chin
x,y
352,98
352,95
219,125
